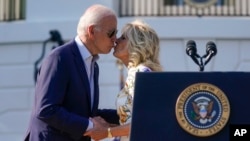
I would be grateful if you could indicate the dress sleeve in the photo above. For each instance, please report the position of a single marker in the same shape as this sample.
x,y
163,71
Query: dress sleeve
x,y
130,82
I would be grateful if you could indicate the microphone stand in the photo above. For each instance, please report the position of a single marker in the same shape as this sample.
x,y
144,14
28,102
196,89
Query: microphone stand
x,y
202,66
201,63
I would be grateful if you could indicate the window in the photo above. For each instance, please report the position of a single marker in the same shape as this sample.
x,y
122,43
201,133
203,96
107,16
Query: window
x,y
176,8
12,10
182,2
173,2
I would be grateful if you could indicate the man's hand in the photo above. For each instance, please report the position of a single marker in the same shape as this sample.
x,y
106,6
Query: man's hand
x,y
99,121
100,129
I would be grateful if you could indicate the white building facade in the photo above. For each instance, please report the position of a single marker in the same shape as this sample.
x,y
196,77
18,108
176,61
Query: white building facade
x,y
21,45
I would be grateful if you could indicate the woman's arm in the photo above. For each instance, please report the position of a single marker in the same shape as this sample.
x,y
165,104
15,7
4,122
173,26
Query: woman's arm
x,y
122,130
101,132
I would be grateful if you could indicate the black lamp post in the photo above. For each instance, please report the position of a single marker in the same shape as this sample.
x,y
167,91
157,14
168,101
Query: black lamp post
x,y
55,36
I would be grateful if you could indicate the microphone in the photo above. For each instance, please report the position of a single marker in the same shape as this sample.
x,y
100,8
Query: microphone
x,y
211,51
192,51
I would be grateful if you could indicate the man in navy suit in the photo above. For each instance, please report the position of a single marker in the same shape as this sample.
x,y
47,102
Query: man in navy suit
x,y
67,89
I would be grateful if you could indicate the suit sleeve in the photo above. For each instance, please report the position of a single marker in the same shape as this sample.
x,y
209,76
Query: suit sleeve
x,y
109,115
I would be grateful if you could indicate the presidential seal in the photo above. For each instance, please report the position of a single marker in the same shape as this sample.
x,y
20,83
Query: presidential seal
x,y
202,109
200,3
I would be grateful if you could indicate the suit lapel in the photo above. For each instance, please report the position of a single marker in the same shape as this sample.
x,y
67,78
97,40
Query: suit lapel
x,y
81,69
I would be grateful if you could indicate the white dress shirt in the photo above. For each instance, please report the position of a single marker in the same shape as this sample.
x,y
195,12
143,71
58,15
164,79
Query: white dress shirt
x,y
87,58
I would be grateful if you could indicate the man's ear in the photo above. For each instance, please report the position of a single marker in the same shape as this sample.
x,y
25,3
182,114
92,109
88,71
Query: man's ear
x,y
91,31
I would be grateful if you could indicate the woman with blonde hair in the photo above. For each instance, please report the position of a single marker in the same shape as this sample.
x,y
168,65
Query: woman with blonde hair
x,y
138,49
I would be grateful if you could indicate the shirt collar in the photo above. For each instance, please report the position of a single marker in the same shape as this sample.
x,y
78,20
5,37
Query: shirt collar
x,y
83,50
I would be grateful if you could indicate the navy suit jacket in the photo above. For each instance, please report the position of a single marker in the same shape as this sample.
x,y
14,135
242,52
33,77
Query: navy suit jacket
x,y
62,98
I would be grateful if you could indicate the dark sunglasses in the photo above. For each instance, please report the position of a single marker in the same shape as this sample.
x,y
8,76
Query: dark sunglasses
x,y
111,34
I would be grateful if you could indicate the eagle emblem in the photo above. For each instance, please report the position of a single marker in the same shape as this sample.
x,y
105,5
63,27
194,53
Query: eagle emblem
x,y
203,109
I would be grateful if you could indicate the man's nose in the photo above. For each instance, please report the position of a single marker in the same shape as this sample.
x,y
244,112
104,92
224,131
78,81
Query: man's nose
x,y
113,38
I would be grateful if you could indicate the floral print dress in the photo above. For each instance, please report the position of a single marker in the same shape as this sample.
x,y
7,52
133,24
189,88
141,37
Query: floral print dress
x,y
124,102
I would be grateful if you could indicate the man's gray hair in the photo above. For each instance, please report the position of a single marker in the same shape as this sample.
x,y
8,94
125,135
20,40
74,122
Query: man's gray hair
x,y
93,16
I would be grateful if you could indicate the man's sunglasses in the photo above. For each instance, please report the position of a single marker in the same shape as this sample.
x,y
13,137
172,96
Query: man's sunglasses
x,y
111,34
